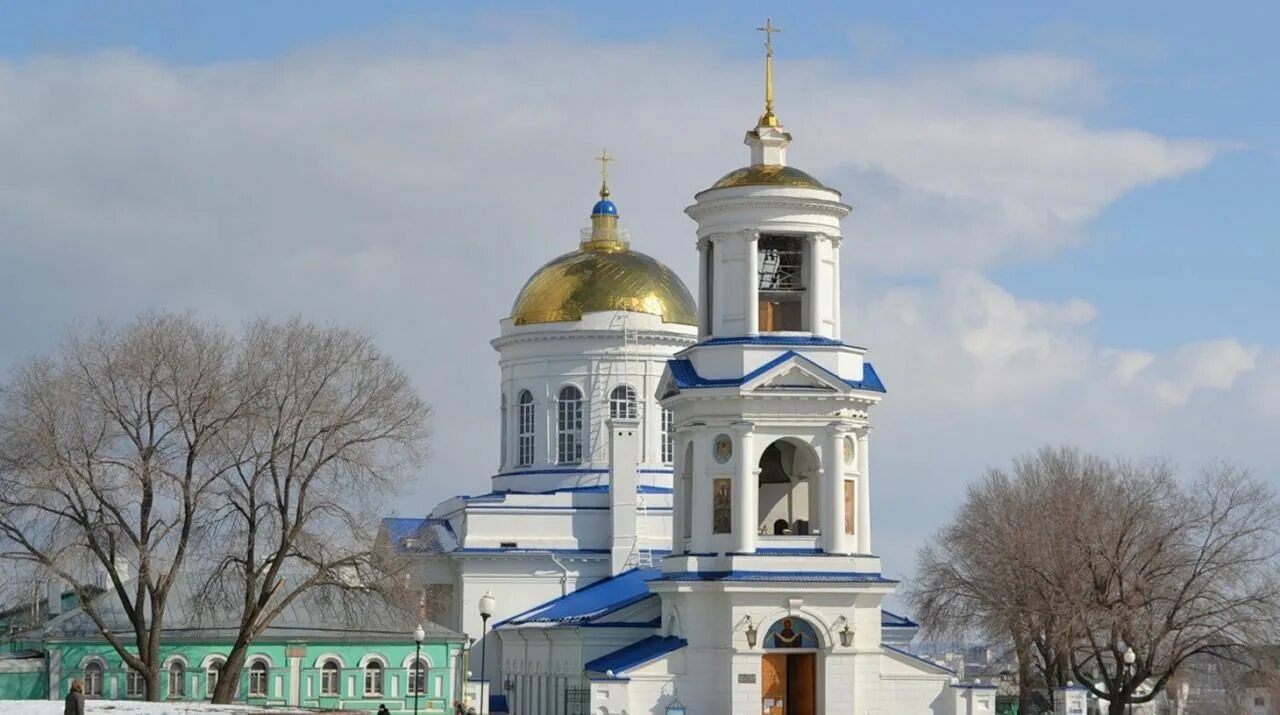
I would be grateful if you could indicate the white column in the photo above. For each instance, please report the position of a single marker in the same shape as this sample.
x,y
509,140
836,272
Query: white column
x,y
863,525
745,492
678,495
818,296
833,536
704,318
835,288
700,486
751,246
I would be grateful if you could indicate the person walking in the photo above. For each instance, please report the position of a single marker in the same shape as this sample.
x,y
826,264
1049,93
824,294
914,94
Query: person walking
x,y
75,699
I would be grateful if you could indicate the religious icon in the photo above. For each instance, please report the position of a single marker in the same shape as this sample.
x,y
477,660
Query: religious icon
x,y
722,448
721,506
791,633
848,506
787,637
848,450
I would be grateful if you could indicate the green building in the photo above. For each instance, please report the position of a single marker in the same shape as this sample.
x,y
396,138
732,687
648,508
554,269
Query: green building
x,y
320,653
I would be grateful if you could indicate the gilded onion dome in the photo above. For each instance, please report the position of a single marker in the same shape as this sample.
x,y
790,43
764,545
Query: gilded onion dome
x,y
603,274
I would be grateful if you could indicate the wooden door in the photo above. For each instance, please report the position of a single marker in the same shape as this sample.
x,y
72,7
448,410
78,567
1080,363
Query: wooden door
x,y
801,684
773,684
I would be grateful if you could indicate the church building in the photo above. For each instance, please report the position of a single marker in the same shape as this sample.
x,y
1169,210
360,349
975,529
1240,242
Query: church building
x,y
682,520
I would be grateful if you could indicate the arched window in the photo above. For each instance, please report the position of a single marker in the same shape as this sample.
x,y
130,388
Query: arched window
x,y
93,679
418,677
569,426
258,679
373,678
211,673
622,403
668,437
502,425
524,429
177,680
135,686
330,674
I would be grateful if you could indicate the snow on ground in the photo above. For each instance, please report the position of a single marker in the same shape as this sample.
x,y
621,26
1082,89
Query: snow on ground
x,y
128,707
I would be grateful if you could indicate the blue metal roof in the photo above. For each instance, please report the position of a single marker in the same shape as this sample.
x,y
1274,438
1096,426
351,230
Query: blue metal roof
x,y
776,576
636,654
893,620
687,377
598,599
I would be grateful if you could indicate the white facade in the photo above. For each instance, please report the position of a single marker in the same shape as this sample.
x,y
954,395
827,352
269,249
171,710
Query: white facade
x,y
711,546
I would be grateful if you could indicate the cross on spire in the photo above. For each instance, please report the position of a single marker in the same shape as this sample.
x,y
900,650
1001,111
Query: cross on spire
x,y
604,160
768,119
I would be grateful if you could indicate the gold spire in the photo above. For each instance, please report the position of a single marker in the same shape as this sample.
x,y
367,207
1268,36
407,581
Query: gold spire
x,y
768,119
604,160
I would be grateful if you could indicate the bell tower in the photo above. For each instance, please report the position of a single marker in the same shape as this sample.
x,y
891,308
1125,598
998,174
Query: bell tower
x,y
772,475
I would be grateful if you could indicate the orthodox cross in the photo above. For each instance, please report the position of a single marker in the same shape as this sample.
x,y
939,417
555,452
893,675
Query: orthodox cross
x,y
604,160
768,119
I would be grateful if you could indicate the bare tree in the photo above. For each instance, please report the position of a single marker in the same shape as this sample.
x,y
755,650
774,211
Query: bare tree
x,y
1172,572
332,423
976,578
108,456
1075,560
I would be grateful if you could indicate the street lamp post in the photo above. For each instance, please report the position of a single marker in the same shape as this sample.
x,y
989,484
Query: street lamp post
x,y
487,604
1130,658
418,635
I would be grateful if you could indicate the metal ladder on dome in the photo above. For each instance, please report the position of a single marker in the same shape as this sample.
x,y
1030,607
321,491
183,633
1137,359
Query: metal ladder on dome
x,y
640,556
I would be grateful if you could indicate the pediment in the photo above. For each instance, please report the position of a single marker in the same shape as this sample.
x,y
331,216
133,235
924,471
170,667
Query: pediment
x,y
796,374
795,378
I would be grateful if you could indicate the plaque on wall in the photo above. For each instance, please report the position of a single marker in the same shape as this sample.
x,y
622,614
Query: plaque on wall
x,y
746,677
722,448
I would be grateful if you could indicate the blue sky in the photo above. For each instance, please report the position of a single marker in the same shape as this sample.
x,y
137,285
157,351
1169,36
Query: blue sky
x,y
1208,242
1066,223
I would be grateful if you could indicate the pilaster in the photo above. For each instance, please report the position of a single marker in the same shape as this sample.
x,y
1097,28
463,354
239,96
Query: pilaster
x,y
752,239
834,538
745,491
863,525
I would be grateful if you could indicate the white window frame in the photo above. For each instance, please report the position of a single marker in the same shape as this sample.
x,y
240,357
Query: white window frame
x,y
623,403
569,425
668,437
370,668
93,684
526,427
181,690
330,668
417,680
264,673
212,674
135,686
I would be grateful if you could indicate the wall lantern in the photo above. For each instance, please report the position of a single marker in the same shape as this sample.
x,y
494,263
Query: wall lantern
x,y
846,633
751,633
675,707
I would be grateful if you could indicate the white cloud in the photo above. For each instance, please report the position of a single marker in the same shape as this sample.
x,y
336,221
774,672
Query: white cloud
x,y
412,194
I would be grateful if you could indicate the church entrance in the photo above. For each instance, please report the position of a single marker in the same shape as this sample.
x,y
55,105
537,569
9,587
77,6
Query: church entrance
x,y
788,670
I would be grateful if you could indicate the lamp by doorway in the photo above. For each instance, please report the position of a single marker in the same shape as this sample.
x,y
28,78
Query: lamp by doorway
x,y
751,632
675,707
846,633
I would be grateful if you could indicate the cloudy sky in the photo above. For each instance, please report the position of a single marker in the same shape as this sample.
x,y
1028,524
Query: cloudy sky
x,y
1064,228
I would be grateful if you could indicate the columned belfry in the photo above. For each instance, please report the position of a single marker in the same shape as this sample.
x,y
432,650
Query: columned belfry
x,y
771,410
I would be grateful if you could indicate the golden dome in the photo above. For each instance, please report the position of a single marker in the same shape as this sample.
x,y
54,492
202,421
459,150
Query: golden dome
x,y
595,279
768,175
